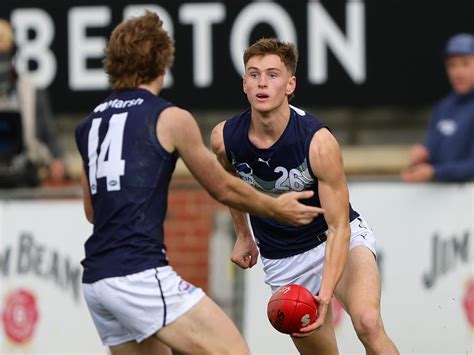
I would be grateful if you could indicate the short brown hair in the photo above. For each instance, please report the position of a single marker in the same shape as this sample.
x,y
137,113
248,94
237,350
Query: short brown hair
x,y
139,51
285,50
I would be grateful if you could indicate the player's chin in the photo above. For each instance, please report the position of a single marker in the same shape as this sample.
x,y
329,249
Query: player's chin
x,y
262,107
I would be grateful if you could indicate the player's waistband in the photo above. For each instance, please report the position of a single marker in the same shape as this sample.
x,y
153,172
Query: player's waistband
x,y
284,253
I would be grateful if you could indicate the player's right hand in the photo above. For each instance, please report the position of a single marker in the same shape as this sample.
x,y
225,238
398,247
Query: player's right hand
x,y
290,211
323,307
245,253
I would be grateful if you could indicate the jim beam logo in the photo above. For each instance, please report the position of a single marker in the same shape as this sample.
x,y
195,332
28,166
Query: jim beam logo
x,y
447,254
29,256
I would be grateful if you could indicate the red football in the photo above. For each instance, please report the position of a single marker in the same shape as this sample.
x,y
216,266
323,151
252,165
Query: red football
x,y
290,308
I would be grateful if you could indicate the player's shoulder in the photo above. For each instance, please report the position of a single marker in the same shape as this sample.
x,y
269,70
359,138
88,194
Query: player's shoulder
x,y
218,129
84,124
217,138
306,119
324,143
176,115
236,120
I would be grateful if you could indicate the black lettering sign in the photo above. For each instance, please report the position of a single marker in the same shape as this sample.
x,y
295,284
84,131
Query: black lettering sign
x,y
5,261
39,260
364,63
445,256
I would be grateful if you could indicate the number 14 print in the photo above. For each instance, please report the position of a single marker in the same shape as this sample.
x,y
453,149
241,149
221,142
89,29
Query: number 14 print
x,y
114,166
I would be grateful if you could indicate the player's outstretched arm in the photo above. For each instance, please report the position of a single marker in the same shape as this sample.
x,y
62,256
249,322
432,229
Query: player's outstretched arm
x,y
245,252
178,131
327,165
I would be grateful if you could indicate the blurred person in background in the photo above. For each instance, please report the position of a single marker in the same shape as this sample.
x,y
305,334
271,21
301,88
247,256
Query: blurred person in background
x,y
277,148
129,145
448,151
39,154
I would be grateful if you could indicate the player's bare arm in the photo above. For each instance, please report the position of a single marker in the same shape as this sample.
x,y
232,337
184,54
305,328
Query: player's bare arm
x,y
86,198
245,252
327,165
178,132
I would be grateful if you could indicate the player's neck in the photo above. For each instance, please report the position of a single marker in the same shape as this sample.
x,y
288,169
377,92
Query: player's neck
x,y
154,86
267,127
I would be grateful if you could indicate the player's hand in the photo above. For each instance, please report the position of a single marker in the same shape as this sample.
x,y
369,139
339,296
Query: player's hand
x,y
323,307
292,212
245,253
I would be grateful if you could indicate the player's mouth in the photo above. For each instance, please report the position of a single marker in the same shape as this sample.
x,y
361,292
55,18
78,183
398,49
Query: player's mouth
x,y
262,97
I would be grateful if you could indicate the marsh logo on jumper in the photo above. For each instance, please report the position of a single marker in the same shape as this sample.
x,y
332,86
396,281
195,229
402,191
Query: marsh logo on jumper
x,y
118,104
185,286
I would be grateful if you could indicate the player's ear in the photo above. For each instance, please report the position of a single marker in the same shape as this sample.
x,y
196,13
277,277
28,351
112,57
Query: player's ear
x,y
291,86
244,83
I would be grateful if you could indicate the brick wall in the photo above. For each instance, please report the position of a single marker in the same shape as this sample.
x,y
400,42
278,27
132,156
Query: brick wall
x,y
188,228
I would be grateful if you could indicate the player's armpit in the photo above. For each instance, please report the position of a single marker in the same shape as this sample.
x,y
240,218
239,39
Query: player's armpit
x,y
218,146
176,129
88,209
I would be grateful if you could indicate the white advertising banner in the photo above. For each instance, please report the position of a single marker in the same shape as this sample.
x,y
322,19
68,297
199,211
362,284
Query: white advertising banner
x,y
425,244
42,306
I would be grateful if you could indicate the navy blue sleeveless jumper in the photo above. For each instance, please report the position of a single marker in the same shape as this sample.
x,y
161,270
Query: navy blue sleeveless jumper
x,y
283,167
128,173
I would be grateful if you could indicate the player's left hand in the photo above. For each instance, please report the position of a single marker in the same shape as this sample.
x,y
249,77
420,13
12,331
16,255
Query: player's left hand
x,y
293,212
323,307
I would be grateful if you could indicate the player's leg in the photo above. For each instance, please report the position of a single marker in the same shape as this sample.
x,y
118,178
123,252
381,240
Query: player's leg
x,y
150,346
204,329
130,311
321,341
359,293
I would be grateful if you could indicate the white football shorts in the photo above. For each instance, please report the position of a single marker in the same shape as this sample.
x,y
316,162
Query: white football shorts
x,y
306,269
136,306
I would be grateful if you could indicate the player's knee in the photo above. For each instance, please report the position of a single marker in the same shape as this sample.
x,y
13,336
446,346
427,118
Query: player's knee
x,y
368,323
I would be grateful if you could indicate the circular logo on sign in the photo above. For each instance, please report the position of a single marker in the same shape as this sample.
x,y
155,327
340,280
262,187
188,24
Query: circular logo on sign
x,y
468,302
20,315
